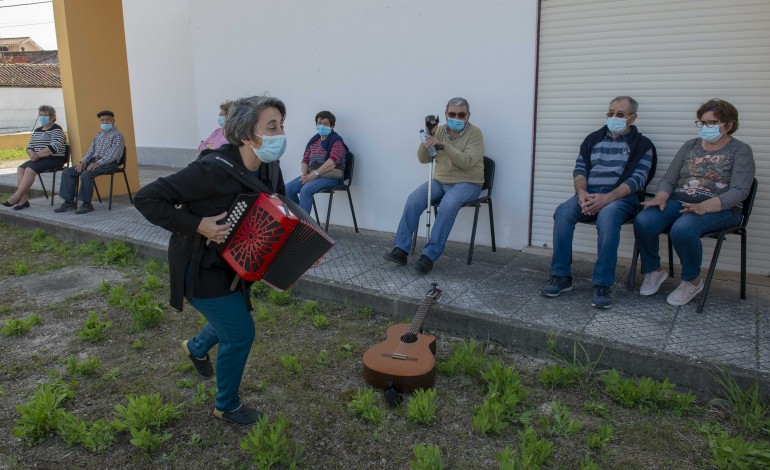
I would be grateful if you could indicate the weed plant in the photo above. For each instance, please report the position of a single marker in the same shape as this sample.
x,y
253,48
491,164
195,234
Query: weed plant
x,y
146,411
646,394
145,311
364,404
93,329
185,383
104,287
90,248
146,440
560,422
152,282
366,311
735,452
19,327
86,368
269,444
597,409
40,416
427,457
601,438
421,408
748,409
117,253
260,290
99,437
278,297
118,296
204,394
43,242
323,358
320,321
532,452
489,417
291,364
20,269
139,345
467,357
308,308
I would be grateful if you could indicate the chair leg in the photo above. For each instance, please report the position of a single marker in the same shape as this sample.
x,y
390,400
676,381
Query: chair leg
x,y
98,196
53,189
743,265
315,209
353,212
130,198
710,275
670,257
631,281
329,211
473,233
112,179
491,225
40,177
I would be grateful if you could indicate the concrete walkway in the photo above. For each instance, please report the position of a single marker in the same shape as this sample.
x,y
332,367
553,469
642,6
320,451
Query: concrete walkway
x,y
496,298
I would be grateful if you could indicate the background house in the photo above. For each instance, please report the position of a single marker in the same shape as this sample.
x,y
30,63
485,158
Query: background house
x,y
23,88
21,44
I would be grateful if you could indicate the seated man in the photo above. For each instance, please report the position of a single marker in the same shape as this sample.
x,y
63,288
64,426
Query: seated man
x,y
101,158
322,164
614,164
457,179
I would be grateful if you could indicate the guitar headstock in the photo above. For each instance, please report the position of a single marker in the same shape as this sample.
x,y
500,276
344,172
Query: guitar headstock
x,y
434,293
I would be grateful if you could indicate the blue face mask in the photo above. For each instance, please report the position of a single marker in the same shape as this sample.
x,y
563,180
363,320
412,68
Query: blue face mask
x,y
455,124
106,127
272,148
323,130
710,134
221,121
44,120
616,125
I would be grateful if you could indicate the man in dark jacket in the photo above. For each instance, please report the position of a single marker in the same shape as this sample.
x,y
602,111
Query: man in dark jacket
x,y
612,169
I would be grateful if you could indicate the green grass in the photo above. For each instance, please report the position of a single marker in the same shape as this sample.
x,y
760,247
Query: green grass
x,y
9,155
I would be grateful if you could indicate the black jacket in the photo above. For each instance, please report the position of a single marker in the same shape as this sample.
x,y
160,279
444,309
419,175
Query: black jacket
x,y
206,187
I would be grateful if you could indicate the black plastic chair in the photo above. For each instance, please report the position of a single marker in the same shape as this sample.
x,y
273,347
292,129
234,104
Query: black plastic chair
x,y
347,180
121,168
54,171
719,236
489,180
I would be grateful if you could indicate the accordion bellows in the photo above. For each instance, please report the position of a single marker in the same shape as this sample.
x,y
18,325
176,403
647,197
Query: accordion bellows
x,y
271,239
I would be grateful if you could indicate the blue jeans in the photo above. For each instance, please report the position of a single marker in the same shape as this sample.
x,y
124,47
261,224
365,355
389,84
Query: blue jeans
x,y
452,197
685,231
302,194
608,222
229,324
69,181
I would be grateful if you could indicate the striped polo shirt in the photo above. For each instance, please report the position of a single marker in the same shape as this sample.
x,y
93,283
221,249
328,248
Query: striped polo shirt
x,y
608,159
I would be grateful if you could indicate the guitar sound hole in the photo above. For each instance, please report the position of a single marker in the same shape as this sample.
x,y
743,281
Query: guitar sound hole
x,y
409,338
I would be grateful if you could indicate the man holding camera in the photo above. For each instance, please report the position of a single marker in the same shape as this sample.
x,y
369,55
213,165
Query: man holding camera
x,y
457,179
613,167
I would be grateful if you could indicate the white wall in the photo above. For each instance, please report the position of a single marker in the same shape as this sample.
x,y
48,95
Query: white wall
x,y
380,67
18,108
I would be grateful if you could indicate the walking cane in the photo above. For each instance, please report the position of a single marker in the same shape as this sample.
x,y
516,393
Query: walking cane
x,y
430,123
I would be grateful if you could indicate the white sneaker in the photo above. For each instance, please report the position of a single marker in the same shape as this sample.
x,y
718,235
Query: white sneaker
x,y
684,293
652,282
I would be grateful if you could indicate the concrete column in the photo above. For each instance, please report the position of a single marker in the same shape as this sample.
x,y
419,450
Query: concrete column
x,y
94,76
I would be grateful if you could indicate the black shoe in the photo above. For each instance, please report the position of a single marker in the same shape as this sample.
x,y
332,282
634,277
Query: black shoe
x,y
85,208
66,206
19,207
423,265
601,297
556,286
397,256
241,415
7,204
202,366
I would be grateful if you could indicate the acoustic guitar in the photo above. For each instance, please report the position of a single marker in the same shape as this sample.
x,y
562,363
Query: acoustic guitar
x,y
406,357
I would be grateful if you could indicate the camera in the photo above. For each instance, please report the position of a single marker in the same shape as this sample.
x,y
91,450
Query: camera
x,y
431,121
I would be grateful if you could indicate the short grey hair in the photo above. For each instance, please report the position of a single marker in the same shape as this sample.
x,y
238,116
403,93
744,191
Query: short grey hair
x,y
634,104
459,102
48,110
244,115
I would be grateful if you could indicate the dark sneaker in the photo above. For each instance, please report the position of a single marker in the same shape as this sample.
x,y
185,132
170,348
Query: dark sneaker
x,y
557,285
397,256
241,415
601,297
202,366
66,206
423,265
85,208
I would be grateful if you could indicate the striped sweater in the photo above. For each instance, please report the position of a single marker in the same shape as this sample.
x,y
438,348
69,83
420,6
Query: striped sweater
x,y
52,139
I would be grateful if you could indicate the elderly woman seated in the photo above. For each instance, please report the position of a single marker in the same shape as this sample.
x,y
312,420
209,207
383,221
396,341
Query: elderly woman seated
x,y
46,150
217,137
323,163
702,192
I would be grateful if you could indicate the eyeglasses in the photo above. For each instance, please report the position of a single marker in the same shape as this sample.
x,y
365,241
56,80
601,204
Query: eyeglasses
x,y
708,123
453,115
619,114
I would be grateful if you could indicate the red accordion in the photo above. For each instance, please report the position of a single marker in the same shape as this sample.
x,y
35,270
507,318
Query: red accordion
x,y
271,239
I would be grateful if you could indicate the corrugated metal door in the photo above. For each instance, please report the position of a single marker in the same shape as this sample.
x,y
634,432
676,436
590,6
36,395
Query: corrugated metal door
x,y
670,56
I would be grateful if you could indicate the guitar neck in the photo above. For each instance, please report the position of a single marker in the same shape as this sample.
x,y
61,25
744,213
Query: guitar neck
x,y
419,317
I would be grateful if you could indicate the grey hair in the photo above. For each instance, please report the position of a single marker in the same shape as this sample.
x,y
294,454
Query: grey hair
x,y
244,115
459,102
47,109
634,104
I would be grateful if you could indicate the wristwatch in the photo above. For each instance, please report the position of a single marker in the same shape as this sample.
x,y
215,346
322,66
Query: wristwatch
x,y
315,172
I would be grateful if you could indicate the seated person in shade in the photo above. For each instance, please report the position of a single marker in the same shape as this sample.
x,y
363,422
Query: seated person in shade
x,y
217,137
46,151
615,163
102,158
457,179
323,163
702,191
